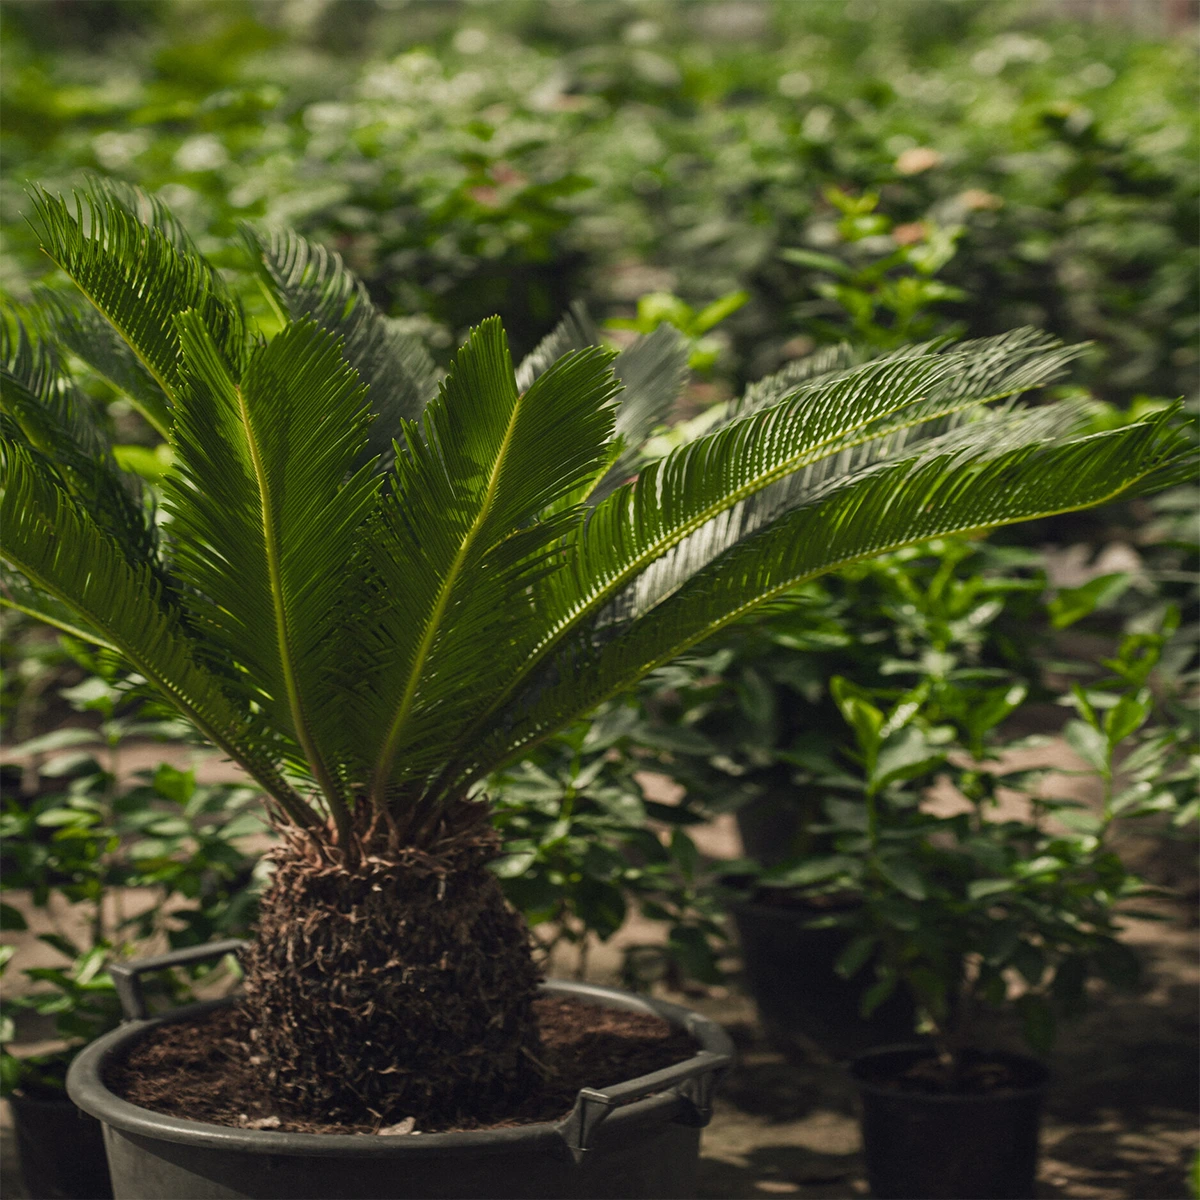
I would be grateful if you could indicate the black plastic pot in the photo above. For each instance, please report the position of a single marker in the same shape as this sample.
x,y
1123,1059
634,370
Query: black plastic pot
x,y
921,1146
61,1150
640,1138
789,971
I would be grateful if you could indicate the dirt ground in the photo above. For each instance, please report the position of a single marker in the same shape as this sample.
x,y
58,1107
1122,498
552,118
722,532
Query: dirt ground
x,y
1121,1119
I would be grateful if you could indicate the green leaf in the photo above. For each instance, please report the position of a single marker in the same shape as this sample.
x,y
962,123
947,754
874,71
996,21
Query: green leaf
x,y
859,713
174,784
814,870
716,312
81,567
458,554
512,865
60,943
855,955
1090,744
1073,604
134,262
905,755
10,1073
814,259
41,408
684,852
11,918
905,876
1129,714
312,282
265,504
982,889
601,907
86,333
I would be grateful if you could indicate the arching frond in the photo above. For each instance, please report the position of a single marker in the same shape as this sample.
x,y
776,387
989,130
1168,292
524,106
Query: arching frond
x,y
265,512
135,265
61,551
885,405
912,501
310,281
85,332
460,547
41,407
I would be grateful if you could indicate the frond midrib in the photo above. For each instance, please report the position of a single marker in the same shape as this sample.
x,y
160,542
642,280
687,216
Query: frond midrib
x,y
391,742
163,429
283,632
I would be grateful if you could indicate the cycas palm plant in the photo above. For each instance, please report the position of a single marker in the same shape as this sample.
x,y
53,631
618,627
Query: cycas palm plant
x,y
371,588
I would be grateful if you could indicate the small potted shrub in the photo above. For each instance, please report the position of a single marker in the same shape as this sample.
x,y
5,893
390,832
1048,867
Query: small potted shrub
x,y
978,915
372,590
753,724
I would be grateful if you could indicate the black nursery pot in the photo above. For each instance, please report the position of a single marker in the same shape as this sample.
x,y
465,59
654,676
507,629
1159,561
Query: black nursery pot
x,y
947,1146
61,1149
789,970
640,1138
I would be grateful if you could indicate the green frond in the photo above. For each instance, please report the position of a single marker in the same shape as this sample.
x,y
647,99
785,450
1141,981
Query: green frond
x,y
576,331
41,407
651,371
57,547
17,593
309,281
85,332
830,429
265,510
963,490
462,545
134,265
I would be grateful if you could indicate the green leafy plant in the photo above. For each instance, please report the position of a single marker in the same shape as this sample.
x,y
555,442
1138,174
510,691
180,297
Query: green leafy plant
x,y
985,910
83,836
889,294
531,167
750,724
579,855
658,308
372,596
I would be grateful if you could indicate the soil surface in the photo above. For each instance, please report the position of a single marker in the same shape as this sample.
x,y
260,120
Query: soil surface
x,y
207,1069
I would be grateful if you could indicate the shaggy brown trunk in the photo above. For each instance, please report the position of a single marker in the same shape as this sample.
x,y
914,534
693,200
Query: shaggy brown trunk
x,y
400,986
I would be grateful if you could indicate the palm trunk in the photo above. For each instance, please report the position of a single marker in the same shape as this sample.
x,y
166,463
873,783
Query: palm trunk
x,y
400,985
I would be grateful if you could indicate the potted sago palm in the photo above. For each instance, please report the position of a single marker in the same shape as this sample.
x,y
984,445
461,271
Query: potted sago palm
x,y
371,589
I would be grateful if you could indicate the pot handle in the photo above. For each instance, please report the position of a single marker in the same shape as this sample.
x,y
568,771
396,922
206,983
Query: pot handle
x,y
692,1082
126,976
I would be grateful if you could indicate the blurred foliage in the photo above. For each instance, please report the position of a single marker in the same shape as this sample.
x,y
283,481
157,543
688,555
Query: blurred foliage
x,y
474,157
116,865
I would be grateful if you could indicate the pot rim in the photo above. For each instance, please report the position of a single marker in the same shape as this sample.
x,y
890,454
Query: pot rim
x,y
86,1087
924,1049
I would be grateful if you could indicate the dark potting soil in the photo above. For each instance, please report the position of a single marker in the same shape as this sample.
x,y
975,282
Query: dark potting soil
x,y
206,1069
